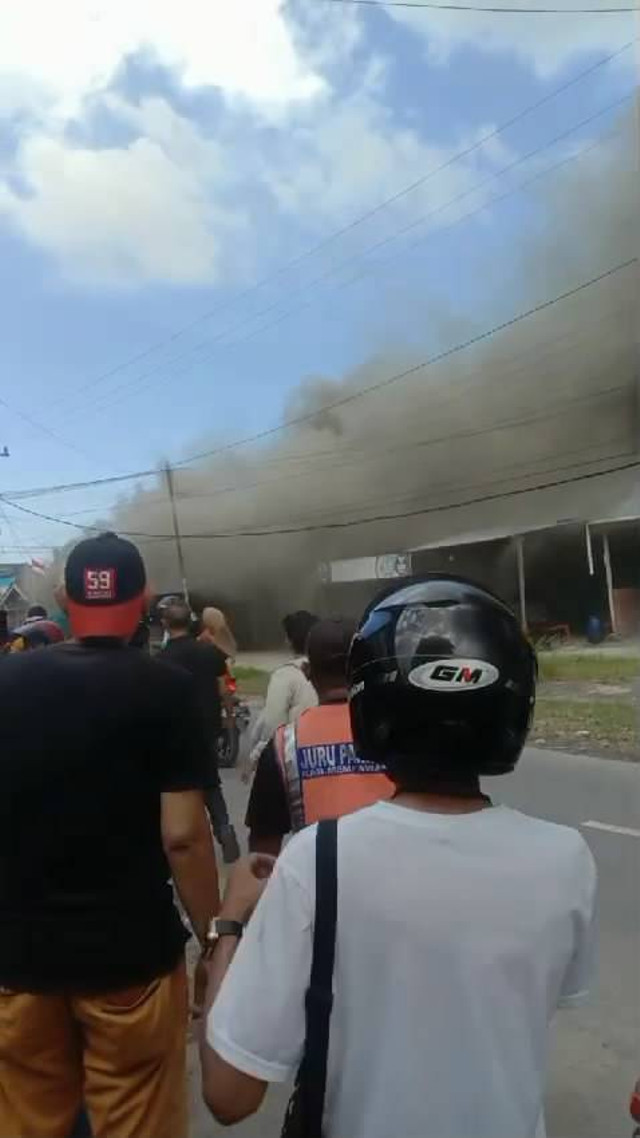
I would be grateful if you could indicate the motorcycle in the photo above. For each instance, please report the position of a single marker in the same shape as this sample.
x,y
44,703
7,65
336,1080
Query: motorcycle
x,y
229,738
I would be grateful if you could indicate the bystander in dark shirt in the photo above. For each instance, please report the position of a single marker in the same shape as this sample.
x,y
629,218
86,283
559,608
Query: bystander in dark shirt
x,y
93,735
207,664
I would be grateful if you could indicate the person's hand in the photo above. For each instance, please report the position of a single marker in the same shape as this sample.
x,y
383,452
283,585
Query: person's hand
x,y
245,887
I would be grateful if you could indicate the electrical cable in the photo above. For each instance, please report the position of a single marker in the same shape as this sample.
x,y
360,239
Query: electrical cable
x,y
46,430
372,269
338,233
373,388
352,397
137,384
335,525
356,457
494,10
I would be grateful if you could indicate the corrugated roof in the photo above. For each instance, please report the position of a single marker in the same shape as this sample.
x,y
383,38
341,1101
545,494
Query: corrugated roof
x,y
607,499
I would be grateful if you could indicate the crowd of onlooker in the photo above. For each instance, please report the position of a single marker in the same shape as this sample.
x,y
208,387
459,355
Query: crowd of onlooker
x,y
400,959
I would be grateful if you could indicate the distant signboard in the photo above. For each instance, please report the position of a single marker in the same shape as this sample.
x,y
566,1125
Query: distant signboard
x,y
392,565
385,567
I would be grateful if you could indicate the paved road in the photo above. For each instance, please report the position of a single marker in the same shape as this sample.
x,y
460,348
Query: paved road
x,y
597,1051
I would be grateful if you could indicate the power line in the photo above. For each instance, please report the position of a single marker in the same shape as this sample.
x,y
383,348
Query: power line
x,y
493,10
377,518
515,471
371,269
134,387
356,395
13,532
45,430
355,458
343,401
338,233
353,455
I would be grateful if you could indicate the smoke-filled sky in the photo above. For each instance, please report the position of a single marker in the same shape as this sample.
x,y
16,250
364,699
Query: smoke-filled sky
x,y
169,165
550,398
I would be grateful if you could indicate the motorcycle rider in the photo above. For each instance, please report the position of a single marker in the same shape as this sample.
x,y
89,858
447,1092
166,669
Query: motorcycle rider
x,y
461,925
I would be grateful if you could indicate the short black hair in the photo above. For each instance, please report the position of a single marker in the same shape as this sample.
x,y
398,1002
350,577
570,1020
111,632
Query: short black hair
x,y
328,648
177,616
297,626
37,610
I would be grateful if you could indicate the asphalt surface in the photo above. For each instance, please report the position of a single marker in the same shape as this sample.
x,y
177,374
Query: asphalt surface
x,y
597,1048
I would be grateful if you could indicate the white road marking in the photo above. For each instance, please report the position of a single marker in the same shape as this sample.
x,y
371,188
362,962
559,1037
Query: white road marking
x,y
626,830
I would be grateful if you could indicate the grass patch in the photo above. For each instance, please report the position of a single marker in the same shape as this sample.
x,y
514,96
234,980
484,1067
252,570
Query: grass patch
x,y
591,667
251,681
612,724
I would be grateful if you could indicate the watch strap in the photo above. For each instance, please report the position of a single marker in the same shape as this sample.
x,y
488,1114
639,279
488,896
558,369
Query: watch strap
x,y
227,928
217,929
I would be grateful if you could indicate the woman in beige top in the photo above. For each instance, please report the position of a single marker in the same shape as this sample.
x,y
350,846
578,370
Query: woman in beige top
x,y
290,691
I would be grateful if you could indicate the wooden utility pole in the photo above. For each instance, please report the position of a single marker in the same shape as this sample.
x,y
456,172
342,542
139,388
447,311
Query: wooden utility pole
x,y
176,532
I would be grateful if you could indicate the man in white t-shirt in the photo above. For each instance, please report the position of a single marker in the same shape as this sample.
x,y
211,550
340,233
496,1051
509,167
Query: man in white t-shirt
x,y
462,926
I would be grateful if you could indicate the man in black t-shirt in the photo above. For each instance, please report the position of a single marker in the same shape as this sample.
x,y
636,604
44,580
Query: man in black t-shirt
x,y
208,665
100,804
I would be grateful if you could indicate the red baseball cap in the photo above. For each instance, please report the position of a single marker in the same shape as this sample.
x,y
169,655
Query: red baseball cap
x,y
105,581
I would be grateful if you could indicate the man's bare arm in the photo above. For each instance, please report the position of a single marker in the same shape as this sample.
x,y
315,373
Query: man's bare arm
x,y
188,844
231,1095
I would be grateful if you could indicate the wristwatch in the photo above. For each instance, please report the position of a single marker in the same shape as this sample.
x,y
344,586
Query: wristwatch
x,y
217,929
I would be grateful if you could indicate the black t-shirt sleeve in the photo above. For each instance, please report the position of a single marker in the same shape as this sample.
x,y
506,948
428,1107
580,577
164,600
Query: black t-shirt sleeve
x,y
216,660
268,812
183,748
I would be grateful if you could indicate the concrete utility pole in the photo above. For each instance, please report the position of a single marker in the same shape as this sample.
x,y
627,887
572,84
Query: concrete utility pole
x,y
522,586
176,532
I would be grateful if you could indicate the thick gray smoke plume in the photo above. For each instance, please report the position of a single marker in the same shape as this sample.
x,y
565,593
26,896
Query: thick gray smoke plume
x,y
448,432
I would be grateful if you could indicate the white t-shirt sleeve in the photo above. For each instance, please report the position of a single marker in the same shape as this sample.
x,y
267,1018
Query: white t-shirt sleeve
x,y
578,977
257,1023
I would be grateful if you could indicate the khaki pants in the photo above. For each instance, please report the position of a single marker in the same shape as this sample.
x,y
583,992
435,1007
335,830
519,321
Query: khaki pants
x,y
123,1054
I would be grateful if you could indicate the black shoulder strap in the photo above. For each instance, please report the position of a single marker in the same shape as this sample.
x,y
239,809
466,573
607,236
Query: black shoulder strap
x,y
320,993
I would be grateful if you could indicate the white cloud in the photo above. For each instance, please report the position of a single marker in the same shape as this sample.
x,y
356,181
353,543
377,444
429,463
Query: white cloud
x,y
55,55
545,43
357,156
156,207
174,204
122,216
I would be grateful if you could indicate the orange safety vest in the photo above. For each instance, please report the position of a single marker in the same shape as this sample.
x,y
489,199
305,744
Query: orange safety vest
x,y
323,775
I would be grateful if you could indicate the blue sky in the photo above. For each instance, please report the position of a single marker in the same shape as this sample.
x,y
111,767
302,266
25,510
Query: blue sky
x,y
157,160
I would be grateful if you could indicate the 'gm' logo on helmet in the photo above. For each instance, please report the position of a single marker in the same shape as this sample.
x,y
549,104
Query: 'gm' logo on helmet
x,y
454,675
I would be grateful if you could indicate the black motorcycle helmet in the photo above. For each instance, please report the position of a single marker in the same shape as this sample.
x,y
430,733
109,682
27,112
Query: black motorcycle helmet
x,y
442,682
